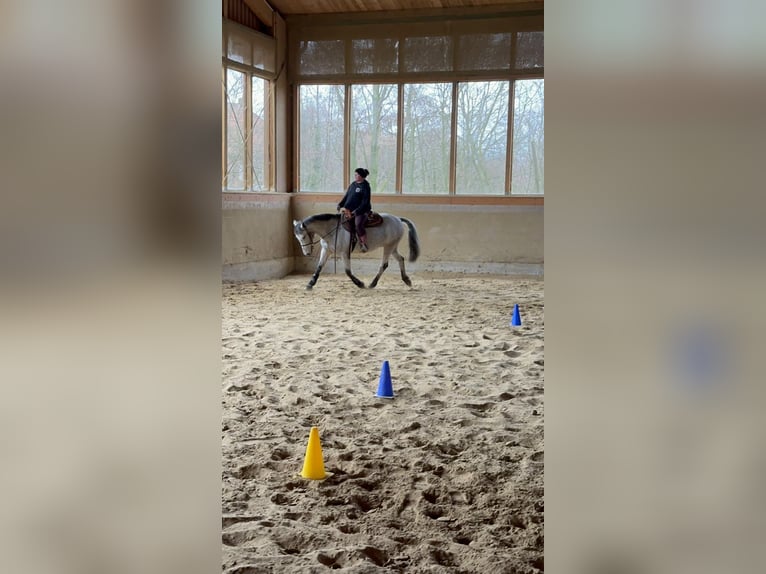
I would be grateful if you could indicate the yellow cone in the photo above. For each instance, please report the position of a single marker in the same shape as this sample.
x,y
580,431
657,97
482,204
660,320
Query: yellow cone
x,y
313,464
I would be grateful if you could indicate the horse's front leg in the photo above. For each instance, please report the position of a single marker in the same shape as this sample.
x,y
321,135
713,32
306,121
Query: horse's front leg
x,y
315,276
347,265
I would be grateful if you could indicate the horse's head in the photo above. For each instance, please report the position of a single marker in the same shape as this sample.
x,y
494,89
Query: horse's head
x,y
303,236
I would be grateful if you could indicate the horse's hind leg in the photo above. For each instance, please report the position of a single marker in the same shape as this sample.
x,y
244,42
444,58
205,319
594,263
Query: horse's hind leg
x,y
383,265
354,278
400,259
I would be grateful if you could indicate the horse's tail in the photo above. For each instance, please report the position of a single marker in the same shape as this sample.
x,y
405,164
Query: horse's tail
x,y
414,243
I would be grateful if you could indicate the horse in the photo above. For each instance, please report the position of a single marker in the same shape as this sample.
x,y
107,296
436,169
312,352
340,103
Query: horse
x,y
328,230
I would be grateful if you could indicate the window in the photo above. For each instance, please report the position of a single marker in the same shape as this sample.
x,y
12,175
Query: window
x,y
321,137
442,106
260,133
427,119
247,159
478,122
249,62
485,51
529,50
482,136
428,53
373,133
528,138
322,57
235,130
375,55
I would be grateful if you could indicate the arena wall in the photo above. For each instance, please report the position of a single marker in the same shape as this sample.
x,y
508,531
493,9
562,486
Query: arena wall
x,y
462,235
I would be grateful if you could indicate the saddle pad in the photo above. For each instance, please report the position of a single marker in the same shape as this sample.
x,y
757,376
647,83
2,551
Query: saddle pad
x,y
373,220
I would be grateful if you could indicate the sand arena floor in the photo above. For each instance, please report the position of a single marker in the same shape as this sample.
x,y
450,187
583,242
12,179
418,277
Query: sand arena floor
x,y
446,477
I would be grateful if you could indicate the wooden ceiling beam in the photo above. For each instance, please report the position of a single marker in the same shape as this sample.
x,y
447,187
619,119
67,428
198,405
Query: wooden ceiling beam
x,y
295,7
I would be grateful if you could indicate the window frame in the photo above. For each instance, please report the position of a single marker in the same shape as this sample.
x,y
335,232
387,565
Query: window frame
x,y
455,81
269,171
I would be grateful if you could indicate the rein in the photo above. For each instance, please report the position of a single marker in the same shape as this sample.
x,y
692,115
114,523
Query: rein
x,y
322,237
335,246
335,249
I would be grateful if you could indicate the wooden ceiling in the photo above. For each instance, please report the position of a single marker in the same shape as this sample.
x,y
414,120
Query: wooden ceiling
x,y
288,7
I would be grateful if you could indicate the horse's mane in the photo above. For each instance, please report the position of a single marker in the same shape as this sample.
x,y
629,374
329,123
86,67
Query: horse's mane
x,y
321,217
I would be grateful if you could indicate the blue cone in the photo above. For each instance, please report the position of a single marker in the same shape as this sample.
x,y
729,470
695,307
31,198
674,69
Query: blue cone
x,y
516,319
385,390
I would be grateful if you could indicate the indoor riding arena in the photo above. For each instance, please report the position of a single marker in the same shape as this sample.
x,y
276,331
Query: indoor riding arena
x,y
396,428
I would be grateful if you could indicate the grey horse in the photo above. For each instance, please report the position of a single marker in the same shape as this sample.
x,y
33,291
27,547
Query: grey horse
x,y
326,229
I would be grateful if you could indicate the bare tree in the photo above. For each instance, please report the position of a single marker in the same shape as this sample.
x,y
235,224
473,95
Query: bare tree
x,y
321,132
482,135
482,120
427,127
235,130
529,138
373,133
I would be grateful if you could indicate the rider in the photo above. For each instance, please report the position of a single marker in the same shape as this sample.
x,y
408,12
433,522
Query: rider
x,y
356,204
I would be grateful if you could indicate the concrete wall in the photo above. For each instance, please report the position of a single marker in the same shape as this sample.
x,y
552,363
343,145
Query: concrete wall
x,y
257,236
484,235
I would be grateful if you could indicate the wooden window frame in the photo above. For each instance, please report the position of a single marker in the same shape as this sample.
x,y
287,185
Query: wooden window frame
x,y
250,73
507,191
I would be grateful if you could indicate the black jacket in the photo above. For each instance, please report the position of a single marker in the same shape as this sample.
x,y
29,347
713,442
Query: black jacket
x,y
357,198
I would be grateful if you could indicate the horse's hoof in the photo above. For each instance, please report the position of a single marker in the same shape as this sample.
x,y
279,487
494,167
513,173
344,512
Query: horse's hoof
x,y
309,287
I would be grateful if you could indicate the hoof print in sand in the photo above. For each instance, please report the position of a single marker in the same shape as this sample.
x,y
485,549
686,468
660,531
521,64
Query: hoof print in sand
x,y
446,478
281,499
442,557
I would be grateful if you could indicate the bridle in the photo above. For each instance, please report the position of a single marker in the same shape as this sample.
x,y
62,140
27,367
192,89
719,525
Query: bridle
x,y
312,243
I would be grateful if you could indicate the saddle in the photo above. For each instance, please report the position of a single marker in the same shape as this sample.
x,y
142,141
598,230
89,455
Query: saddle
x,y
373,220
